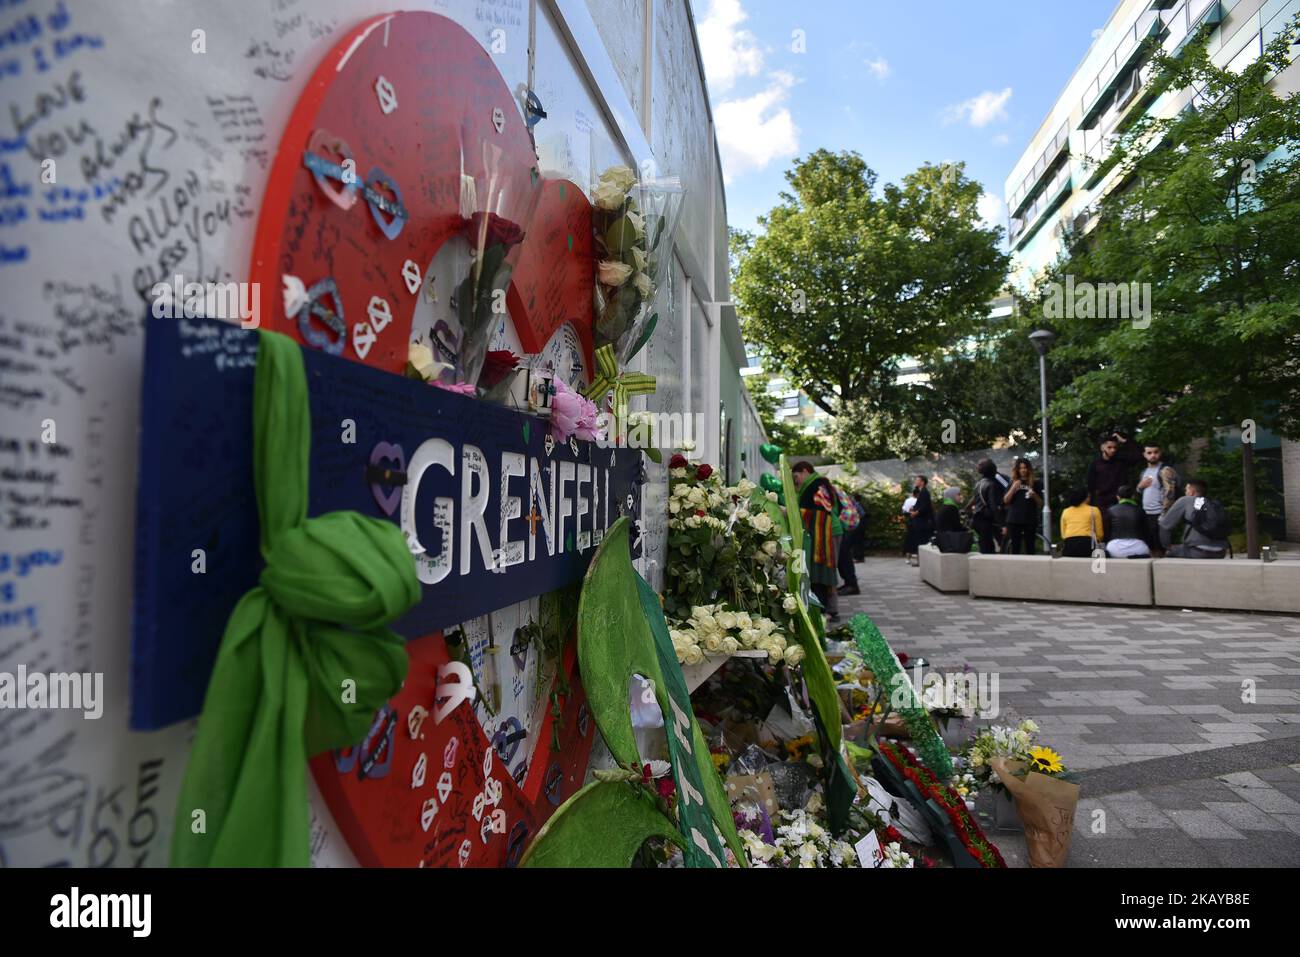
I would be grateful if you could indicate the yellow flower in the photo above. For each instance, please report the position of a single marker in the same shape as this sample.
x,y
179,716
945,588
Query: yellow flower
x,y
1045,761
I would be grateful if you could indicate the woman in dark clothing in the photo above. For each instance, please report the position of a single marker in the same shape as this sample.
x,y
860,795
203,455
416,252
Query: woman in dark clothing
x,y
1024,502
921,520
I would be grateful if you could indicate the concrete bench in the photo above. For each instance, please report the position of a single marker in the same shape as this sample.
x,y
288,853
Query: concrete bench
x,y
1011,576
1236,584
945,572
1124,581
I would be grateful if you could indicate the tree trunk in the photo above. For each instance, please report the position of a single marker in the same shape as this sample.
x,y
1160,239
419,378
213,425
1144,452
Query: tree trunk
x,y
1248,498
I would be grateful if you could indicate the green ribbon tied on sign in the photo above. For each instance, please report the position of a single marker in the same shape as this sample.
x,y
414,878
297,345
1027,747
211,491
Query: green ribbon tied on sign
x,y
623,386
306,658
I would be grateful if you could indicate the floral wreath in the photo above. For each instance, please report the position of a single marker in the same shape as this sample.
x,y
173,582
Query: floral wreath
x,y
964,824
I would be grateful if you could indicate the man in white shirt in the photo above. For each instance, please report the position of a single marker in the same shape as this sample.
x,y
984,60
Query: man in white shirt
x,y
1158,485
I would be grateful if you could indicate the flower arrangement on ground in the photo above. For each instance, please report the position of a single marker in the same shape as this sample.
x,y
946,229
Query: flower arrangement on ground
x,y
798,841
1015,743
724,548
716,630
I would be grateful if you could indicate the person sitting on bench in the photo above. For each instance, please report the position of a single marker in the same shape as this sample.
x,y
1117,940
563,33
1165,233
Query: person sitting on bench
x,y
1208,525
1127,526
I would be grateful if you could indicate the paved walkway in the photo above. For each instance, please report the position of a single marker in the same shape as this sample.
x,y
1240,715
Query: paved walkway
x,y
1146,703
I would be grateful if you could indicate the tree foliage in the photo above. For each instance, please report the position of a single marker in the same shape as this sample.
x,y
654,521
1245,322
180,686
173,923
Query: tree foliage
x,y
845,280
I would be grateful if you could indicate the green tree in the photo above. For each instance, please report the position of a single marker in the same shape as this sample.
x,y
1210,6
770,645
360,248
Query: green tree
x,y
1205,217
792,439
844,280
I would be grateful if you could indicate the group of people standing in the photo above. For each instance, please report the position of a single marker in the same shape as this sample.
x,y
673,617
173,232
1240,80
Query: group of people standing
x,y
1128,519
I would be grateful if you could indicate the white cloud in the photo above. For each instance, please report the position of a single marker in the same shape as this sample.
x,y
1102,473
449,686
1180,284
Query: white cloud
x,y
729,52
992,211
756,130
879,68
979,110
1002,139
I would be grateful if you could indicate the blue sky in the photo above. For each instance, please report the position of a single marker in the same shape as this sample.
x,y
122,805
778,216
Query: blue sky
x,y
901,82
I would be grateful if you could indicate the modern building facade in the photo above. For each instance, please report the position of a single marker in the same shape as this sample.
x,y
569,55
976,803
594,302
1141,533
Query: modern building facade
x,y
1062,175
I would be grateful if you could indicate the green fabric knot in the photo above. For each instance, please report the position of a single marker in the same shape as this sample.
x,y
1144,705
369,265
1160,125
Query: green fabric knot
x,y
306,658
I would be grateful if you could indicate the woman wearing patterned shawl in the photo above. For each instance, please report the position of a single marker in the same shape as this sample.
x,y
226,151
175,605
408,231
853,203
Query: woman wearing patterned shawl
x,y
819,509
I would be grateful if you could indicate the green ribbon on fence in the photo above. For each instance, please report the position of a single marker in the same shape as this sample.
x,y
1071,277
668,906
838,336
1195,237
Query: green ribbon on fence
x,y
306,658
623,386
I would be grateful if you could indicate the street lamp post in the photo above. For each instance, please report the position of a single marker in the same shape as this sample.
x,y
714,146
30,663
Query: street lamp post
x,y
1042,340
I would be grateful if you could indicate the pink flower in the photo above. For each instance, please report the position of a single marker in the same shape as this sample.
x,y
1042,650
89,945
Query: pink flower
x,y
460,388
571,414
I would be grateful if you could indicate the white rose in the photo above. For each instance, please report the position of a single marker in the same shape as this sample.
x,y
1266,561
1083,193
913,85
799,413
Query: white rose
x,y
677,474
761,522
613,273
794,654
713,644
693,655
674,507
621,177
730,645
771,548
789,604
771,497
608,196
727,620
774,654
743,620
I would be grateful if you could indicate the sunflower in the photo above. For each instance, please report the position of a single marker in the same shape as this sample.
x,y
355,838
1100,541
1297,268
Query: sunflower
x,y
1045,761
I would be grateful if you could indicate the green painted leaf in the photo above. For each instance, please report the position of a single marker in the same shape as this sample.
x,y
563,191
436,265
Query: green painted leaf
x,y
603,825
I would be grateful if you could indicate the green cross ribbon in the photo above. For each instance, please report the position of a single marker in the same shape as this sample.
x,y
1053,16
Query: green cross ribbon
x,y
623,386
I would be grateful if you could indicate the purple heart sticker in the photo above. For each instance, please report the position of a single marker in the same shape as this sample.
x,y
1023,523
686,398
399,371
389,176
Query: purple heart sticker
x,y
390,499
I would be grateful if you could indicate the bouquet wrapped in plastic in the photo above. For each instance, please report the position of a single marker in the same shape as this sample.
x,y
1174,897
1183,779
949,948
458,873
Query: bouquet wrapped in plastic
x,y
634,222
496,208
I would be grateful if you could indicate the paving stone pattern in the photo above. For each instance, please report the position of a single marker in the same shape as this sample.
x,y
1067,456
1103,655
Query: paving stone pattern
x,y
1152,706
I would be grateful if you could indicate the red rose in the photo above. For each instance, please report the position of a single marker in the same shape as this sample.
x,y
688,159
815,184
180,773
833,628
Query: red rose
x,y
499,231
903,658
703,471
678,462
498,364
700,512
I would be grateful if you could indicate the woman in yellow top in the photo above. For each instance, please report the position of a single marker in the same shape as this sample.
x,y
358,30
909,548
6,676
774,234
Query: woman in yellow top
x,y
1080,526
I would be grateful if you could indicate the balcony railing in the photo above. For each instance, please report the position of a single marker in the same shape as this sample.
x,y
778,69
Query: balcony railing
x,y
1060,142
1096,94
1023,225
1181,22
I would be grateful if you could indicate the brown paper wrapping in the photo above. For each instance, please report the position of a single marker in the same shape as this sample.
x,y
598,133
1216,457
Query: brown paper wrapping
x,y
1046,808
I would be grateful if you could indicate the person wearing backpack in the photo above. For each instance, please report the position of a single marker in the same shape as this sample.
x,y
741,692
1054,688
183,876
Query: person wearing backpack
x,y
854,528
1207,521
988,514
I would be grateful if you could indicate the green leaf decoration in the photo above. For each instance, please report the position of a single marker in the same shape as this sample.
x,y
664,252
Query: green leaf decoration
x,y
882,661
622,632
603,825
840,785
654,455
